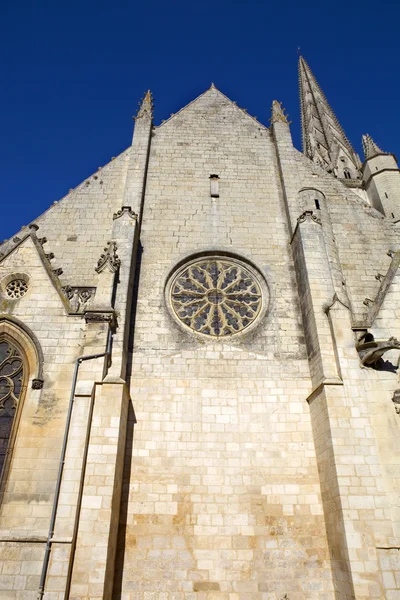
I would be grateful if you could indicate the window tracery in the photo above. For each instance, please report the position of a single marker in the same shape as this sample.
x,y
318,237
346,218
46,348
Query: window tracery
x,y
216,296
11,385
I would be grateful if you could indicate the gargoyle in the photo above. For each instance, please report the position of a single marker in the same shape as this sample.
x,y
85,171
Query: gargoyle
x,y
371,351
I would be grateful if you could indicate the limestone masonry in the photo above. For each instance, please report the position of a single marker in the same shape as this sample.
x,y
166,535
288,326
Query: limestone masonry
x,y
199,397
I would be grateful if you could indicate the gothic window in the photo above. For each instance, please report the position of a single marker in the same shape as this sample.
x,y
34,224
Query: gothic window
x,y
216,296
11,386
347,174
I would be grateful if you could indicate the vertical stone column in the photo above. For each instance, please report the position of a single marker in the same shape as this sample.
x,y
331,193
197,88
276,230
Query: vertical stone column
x,y
316,289
126,235
137,167
92,566
357,514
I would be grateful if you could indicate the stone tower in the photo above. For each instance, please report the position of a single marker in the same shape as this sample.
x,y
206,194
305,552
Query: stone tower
x,y
199,395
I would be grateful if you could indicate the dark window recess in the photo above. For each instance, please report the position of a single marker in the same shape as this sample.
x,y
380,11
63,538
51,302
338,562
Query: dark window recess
x,y
347,174
11,383
214,186
386,195
317,206
392,215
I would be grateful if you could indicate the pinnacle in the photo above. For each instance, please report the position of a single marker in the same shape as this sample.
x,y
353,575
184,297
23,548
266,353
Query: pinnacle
x,y
370,147
145,106
278,113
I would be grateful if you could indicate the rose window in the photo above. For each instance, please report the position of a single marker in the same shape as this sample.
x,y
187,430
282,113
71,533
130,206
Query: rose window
x,y
216,296
16,288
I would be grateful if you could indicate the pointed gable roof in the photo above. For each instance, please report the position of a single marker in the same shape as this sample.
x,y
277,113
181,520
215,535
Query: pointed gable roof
x,y
321,131
215,90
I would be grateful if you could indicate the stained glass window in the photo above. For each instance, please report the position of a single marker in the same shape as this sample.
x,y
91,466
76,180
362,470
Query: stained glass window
x,y
216,296
11,381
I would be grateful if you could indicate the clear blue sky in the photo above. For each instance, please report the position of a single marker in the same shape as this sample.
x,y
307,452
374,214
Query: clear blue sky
x,y
73,72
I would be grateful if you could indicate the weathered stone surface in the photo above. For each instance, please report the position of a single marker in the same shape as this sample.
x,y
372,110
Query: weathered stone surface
x,y
206,465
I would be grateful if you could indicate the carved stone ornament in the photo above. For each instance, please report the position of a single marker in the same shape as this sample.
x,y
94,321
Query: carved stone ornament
x,y
278,113
37,384
216,296
125,210
371,351
100,317
109,259
308,214
79,296
42,240
58,271
396,401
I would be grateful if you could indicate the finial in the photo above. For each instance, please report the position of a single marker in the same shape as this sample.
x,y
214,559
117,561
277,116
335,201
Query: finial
x,y
278,113
370,147
145,106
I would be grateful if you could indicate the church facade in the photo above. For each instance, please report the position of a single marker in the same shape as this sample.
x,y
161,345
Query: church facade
x,y
199,397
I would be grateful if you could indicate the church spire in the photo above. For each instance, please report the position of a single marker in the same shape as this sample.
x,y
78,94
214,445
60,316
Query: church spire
x,y
324,140
370,147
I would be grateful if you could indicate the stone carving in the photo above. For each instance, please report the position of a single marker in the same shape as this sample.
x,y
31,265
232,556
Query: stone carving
x,y
79,296
109,259
11,378
308,214
278,113
42,240
368,302
58,272
216,297
396,401
370,351
125,210
37,384
146,106
99,317
16,239
50,256
16,288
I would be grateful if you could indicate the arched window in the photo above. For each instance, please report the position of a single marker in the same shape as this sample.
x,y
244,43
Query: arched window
x,y
12,385
347,174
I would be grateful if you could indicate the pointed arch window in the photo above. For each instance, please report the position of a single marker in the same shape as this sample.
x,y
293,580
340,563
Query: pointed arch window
x,y
12,385
347,174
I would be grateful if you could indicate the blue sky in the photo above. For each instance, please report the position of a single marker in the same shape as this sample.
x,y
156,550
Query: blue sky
x,y
73,72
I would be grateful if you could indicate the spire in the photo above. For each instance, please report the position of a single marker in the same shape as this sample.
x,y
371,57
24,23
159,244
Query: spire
x,y
146,106
370,148
324,141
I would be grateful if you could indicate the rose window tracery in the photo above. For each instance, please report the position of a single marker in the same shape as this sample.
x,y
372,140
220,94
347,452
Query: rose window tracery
x,y
216,296
16,288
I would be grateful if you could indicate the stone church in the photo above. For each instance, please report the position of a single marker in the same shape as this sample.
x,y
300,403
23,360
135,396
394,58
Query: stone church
x,y
199,397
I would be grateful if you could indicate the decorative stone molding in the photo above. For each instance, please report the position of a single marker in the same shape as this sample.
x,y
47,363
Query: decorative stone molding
x,y
98,316
308,214
58,272
368,302
109,259
33,227
125,210
79,296
37,384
